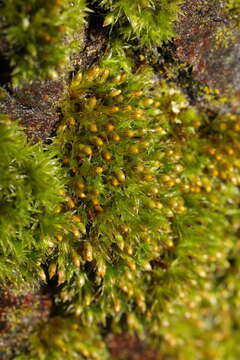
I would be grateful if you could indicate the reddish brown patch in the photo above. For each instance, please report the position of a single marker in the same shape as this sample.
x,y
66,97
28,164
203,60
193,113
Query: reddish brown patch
x,y
213,62
20,314
35,106
130,347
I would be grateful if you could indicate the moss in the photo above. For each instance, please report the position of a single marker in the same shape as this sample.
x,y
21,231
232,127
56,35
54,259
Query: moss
x,y
64,337
28,204
149,181
138,232
233,9
150,22
40,36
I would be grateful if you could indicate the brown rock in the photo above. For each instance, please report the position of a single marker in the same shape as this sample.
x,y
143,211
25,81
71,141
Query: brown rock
x,y
20,313
35,106
210,42
130,347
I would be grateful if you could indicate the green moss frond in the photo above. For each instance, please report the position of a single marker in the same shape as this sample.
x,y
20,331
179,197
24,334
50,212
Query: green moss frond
x,y
65,337
150,22
31,187
40,36
233,6
149,194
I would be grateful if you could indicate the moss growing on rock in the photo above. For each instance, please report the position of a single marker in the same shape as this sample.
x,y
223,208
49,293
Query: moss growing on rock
x,y
140,236
149,183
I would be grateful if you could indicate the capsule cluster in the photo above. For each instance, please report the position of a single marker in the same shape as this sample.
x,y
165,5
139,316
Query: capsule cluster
x,y
145,205
124,173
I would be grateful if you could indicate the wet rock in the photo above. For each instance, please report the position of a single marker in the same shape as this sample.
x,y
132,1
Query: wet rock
x,y
20,313
94,44
210,42
35,106
130,347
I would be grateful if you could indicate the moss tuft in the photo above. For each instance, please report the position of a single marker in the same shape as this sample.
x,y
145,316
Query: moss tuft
x,y
40,36
28,218
150,22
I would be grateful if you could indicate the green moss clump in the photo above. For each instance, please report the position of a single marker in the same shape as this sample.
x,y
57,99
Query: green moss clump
x,y
150,22
123,183
233,7
140,234
65,338
27,205
40,35
152,186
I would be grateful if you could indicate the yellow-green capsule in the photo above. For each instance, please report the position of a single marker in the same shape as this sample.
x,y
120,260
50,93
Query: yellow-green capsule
x,y
77,78
81,280
91,103
52,270
146,265
103,75
96,140
71,121
82,228
120,175
87,150
78,310
42,275
98,170
131,264
88,254
136,93
115,137
131,321
93,127
114,93
119,241
107,155
151,204
98,208
76,260
111,109
119,99
61,276
101,268
109,127
146,102
76,218
93,73
81,194
128,133
87,299
117,305
133,149
115,182
70,204
75,232
109,19
62,128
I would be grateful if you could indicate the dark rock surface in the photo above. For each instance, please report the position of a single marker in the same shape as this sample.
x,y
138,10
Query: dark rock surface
x,y
129,347
20,313
209,41
35,106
